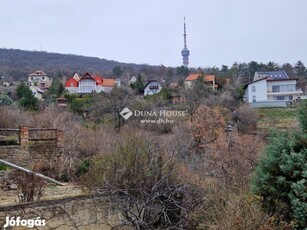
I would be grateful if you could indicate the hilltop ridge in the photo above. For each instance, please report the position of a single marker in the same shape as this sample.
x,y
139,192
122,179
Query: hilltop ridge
x,y
18,64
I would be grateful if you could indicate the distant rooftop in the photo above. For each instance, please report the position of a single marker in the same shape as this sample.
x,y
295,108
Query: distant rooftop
x,y
280,74
194,76
38,73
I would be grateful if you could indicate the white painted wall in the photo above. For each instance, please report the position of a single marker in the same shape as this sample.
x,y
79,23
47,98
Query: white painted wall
x,y
106,89
72,89
148,91
36,93
87,86
260,91
188,84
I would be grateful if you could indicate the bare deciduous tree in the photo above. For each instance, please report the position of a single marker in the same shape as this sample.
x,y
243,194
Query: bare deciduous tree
x,y
112,103
144,186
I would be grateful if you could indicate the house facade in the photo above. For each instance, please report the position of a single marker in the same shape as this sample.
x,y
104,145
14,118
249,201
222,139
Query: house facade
x,y
37,92
62,102
152,87
89,84
40,79
272,90
177,98
189,81
132,80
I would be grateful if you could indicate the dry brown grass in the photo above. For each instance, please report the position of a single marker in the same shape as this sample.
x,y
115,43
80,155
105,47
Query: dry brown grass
x,y
226,208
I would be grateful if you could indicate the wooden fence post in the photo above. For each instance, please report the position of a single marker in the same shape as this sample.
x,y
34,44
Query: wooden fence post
x,y
23,136
60,138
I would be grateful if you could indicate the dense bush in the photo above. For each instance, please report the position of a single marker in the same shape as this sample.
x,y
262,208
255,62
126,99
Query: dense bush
x,y
303,116
246,119
26,98
281,177
5,100
144,186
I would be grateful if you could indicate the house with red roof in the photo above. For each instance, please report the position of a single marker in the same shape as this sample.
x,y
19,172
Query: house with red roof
x,y
71,85
188,82
88,84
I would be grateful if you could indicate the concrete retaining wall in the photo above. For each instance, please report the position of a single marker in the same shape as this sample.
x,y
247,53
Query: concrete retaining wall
x,y
82,213
26,157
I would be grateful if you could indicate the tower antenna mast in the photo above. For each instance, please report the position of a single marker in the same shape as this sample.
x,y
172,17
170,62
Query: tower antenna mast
x,y
185,52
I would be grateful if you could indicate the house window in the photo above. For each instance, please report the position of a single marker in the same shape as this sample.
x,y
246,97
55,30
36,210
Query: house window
x,y
280,98
287,88
254,98
253,88
275,88
290,98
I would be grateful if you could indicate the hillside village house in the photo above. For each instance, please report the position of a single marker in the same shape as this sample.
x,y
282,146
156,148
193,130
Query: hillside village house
x,y
132,80
40,79
88,84
62,102
188,82
37,92
272,88
177,98
152,87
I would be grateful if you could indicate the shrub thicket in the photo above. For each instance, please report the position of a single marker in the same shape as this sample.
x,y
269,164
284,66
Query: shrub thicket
x,y
281,177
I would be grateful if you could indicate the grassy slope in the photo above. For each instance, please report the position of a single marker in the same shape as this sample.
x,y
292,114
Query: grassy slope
x,y
277,118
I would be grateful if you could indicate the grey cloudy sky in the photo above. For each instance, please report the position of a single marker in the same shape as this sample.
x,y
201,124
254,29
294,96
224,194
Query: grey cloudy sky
x,y
144,31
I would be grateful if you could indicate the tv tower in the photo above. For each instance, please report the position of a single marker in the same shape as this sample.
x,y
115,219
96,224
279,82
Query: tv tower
x,y
185,52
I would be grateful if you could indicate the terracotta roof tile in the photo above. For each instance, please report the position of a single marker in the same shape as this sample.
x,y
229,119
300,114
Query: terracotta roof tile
x,y
71,83
98,79
194,76
108,82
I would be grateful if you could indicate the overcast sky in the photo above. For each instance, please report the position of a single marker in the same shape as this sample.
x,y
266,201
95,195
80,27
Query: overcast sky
x,y
143,31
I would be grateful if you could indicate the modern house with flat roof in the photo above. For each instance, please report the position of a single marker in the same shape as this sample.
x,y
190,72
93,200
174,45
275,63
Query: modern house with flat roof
x,y
272,89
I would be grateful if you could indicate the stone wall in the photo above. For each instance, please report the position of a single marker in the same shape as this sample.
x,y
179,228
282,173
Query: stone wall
x,y
27,157
82,213
16,155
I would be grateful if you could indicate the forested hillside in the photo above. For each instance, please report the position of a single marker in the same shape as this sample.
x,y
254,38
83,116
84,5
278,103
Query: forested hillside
x,y
19,63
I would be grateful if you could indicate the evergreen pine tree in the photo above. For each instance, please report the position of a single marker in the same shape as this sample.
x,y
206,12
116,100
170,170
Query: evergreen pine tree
x,y
303,116
281,177
26,98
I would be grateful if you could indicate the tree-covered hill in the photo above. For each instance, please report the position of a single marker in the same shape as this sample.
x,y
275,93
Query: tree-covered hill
x,y
17,64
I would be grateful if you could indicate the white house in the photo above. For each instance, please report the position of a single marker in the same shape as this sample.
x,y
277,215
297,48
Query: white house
x,y
152,87
88,84
7,84
40,78
272,90
132,80
37,92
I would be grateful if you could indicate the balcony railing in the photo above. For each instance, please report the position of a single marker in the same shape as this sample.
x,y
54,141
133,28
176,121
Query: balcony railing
x,y
296,91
